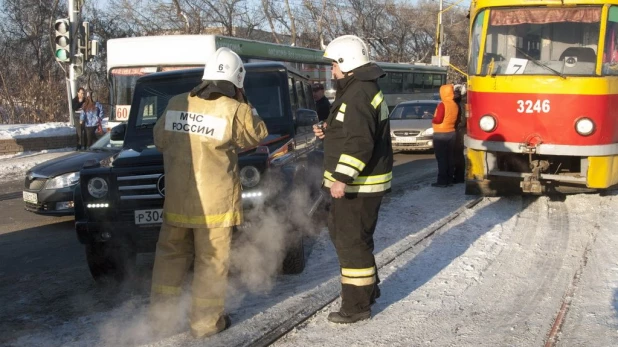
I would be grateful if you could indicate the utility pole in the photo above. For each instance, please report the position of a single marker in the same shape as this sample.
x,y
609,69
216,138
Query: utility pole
x,y
75,20
439,38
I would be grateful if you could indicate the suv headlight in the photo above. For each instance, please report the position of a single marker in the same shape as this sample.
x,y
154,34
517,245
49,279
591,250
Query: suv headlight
x,y
249,176
63,181
97,187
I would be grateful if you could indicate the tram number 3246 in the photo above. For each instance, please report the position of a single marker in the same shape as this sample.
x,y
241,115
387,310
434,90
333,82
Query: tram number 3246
x,y
533,106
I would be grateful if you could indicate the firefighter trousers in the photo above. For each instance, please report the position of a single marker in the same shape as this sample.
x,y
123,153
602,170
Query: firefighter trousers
x,y
177,248
351,224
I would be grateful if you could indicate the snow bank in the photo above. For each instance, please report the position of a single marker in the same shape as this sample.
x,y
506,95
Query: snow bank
x,y
15,131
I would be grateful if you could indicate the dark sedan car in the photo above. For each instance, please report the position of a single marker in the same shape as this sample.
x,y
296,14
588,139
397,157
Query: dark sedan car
x,y
49,186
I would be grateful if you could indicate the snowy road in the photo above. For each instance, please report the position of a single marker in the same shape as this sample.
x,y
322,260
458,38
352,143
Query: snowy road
x,y
495,274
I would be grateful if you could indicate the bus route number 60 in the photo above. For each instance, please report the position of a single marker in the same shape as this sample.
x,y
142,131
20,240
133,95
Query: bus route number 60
x,y
531,106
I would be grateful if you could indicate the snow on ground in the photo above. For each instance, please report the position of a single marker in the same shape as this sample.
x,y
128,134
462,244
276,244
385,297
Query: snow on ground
x,y
494,277
51,129
16,131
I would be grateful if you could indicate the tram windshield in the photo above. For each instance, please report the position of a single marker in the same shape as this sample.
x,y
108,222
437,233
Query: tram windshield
x,y
537,41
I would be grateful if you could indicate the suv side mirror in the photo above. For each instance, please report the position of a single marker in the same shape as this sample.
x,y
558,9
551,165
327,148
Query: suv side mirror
x,y
306,117
117,132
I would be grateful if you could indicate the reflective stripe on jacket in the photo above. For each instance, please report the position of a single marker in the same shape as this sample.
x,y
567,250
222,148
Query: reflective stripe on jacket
x,y
199,140
357,145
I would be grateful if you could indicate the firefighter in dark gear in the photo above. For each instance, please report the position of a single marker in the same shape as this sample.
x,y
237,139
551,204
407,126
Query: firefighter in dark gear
x,y
358,163
199,135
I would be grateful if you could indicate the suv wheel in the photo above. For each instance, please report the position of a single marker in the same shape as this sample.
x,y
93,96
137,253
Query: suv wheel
x,y
294,261
109,263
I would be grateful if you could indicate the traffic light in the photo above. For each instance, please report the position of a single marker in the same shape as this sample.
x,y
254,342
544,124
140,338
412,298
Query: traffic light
x,y
78,65
63,40
84,42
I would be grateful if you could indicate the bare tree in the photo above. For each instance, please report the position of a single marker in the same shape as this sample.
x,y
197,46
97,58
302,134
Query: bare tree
x,y
28,72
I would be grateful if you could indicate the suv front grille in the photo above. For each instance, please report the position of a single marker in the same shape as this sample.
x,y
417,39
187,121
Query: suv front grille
x,y
406,132
139,187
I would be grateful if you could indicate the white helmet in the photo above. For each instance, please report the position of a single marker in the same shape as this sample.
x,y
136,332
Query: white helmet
x,y
348,51
225,65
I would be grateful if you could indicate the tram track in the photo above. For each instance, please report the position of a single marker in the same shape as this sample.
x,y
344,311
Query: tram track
x,y
567,299
332,294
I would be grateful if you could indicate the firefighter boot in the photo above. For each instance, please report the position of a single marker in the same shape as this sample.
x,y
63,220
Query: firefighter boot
x,y
223,323
341,317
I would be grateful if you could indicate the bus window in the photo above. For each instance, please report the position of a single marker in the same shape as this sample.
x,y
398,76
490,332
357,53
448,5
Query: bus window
x,y
391,83
122,81
610,56
428,81
408,83
293,99
418,81
437,81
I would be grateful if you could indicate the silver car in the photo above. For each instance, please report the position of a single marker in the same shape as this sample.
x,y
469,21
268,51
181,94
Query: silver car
x,y
411,128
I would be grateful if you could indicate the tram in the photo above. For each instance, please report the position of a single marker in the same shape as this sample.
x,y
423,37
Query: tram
x,y
542,97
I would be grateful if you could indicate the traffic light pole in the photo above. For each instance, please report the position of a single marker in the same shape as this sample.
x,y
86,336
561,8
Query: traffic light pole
x,y
75,22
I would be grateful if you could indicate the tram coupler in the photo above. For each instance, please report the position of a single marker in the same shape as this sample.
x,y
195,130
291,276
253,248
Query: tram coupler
x,y
532,184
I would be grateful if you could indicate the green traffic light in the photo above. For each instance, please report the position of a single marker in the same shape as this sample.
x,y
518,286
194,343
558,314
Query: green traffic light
x,y
62,54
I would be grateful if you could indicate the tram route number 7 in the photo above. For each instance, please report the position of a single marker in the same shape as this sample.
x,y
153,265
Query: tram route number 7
x,y
533,106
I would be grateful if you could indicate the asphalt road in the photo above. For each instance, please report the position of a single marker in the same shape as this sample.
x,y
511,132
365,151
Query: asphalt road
x,y
43,266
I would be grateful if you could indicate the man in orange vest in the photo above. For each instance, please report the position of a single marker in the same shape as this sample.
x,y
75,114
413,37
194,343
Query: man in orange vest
x,y
444,135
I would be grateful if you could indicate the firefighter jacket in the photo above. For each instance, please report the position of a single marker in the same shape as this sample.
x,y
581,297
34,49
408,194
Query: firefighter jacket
x,y
357,142
199,139
447,111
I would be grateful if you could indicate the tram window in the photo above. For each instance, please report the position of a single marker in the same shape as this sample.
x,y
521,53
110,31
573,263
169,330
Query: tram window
x,y
610,56
475,48
530,41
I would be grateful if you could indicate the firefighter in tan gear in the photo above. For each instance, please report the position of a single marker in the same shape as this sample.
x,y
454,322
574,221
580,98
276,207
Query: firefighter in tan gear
x,y
358,163
199,135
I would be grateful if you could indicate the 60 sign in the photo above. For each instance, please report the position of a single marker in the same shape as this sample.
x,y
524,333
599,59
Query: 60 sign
x,y
530,106
122,112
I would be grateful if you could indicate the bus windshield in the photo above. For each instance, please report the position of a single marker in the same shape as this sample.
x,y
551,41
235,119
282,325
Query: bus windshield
x,y
122,85
539,41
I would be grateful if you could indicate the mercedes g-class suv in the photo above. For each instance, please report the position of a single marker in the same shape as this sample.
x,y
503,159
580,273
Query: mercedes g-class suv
x,y
118,205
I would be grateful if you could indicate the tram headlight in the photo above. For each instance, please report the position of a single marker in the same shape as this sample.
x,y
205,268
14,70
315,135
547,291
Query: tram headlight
x,y
249,176
488,123
584,126
97,187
